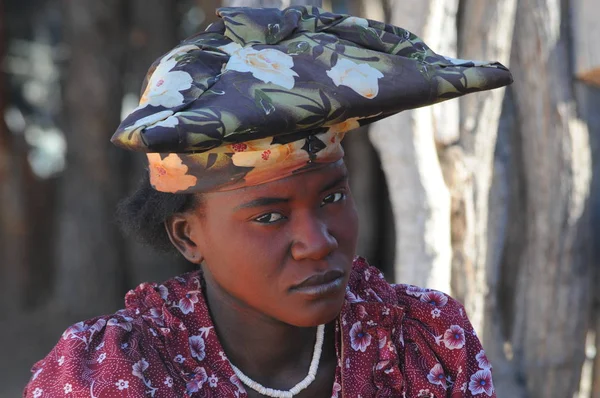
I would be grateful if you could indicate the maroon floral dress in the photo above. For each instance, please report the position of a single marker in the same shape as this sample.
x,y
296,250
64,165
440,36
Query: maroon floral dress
x,y
391,341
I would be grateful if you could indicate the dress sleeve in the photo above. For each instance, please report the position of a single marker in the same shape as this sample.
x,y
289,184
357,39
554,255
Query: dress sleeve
x,y
443,356
95,358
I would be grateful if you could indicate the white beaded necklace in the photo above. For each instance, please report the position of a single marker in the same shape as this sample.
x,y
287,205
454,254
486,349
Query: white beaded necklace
x,y
312,373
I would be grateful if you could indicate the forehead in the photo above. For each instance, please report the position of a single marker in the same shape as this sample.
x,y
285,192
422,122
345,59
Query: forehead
x,y
306,183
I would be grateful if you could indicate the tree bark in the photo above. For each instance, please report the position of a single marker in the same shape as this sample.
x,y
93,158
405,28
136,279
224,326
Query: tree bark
x,y
405,142
586,31
90,251
553,292
485,33
271,3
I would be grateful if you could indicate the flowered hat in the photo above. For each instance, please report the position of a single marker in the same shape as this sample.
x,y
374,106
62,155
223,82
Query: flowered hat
x,y
265,93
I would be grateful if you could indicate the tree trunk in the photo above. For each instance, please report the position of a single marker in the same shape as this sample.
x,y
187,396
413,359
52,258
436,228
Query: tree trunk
x,y
405,142
586,31
271,3
90,251
553,292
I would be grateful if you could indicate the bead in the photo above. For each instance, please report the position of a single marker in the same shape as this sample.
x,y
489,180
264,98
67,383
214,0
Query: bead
x,y
312,373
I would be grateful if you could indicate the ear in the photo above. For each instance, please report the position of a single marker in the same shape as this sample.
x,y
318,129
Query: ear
x,y
179,228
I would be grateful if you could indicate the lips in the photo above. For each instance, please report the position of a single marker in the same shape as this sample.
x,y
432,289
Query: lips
x,y
319,280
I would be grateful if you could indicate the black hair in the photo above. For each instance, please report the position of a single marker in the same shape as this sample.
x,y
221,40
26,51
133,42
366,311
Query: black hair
x,y
143,213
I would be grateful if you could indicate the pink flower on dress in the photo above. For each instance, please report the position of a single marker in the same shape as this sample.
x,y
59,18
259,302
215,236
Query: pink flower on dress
x,y
139,367
483,361
213,381
74,329
435,298
454,338
156,315
352,298
336,388
361,311
122,384
68,388
415,291
359,338
37,392
237,382
163,291
481,382
196,383
186,304
436,375
197,347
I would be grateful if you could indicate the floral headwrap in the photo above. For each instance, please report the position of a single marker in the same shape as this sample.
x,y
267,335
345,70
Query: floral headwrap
x,y
264,93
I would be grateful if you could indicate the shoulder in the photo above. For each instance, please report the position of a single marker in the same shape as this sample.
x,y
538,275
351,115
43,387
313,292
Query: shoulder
x,y
117,353
430,330
96,353
368,284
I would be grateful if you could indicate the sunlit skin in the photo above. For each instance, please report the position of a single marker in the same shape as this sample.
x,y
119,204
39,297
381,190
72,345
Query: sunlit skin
x,y
255,245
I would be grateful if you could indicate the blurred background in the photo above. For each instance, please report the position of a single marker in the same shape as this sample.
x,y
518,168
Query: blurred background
x,y
494,198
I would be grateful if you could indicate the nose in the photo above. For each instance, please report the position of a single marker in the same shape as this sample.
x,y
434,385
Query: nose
x,y
312,239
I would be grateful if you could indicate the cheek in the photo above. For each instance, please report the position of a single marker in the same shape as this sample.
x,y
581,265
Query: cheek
x,y
239,254
344,226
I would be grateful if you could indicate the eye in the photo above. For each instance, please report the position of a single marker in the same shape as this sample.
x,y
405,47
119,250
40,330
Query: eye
x,y
334,197
269,218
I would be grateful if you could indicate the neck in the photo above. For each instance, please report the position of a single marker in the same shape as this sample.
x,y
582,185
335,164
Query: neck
x,y
255,343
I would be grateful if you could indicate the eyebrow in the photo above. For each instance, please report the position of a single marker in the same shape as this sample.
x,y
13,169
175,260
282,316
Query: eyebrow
x,y
268,201
261,202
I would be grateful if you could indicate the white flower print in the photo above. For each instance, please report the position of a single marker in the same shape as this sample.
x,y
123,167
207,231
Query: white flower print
x,y
169,381
213,381
139,367
351,297
204,331
354,21
223,356
101,357
163,291
435,313
386,311
336,388
362,78
124,345
482,360
454,338
100,346
367,274
481,382
37,392
179,358
76,328
68,388
359,338
37,373
165,85
171,122
347,363
425,394
197,347
435,298
268,65
122,384
436,375
61,360
415,291
126,325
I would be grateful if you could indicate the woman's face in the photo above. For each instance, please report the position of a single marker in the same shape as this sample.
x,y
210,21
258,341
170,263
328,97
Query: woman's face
x,y
283,248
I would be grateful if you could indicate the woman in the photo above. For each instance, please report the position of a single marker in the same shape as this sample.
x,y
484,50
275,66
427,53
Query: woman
x,y
242,127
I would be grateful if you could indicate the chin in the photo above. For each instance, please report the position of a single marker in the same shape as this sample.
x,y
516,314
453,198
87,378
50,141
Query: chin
x,y
318,312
